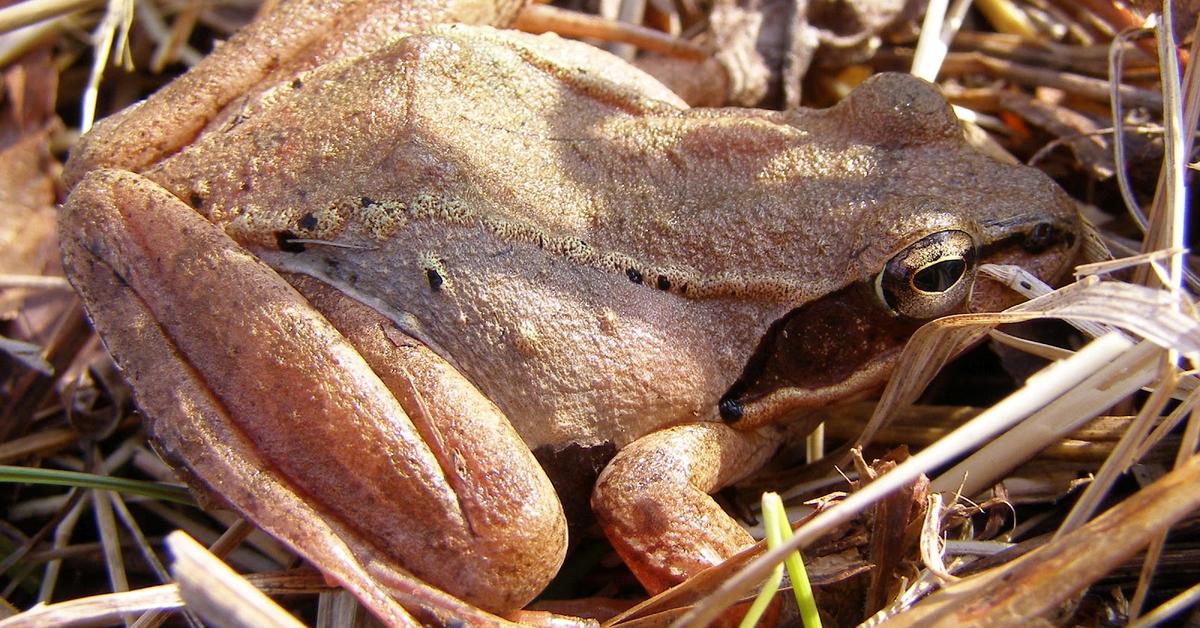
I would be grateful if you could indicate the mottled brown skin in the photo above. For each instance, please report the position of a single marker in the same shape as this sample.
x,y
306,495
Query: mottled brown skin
x,y
514,244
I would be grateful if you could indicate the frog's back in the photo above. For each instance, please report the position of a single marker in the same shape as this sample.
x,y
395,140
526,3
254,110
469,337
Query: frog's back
x,y
531,139
426,115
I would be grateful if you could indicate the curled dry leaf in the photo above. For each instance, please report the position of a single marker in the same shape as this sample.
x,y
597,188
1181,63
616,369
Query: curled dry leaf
x,y
28,245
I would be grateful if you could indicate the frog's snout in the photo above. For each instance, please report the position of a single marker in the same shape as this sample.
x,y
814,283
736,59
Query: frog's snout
x,y
1046,249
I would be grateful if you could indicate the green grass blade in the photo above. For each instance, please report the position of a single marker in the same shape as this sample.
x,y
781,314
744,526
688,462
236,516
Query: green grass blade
x,y
801,587
771,507
152,490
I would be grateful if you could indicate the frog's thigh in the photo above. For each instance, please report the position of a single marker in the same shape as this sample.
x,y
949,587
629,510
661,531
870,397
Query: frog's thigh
x,y
653,499
514,519
271,407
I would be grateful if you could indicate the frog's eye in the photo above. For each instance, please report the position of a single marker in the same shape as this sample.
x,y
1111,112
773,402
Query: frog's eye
x,y
930,277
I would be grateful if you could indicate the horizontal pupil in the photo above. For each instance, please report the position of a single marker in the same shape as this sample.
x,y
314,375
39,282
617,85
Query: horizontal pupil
x,y
939,277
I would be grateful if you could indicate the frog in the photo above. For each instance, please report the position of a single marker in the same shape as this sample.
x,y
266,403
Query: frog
x,y
410,297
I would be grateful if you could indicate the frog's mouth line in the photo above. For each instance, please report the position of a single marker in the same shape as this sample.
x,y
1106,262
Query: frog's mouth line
x,y
818,352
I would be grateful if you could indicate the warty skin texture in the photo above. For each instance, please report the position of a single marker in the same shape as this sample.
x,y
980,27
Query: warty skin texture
x,y
544,250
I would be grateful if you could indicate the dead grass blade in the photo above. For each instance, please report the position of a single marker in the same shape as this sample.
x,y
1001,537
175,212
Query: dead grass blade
x,y
1168,609
90,611
540,18
62,537
217,593
33,11
1167,214
114,27
1126,374
1037,583
158,601
110,542
37,282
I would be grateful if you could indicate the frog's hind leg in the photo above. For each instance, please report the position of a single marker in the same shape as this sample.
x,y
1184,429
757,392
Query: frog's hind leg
x,y
513,521
270,406
653,499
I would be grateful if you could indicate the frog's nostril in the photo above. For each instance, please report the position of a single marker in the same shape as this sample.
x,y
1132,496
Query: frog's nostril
x,y
1044,235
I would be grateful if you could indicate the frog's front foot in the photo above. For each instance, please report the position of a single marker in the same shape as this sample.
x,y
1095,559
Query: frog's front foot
x,y
653,500
373,461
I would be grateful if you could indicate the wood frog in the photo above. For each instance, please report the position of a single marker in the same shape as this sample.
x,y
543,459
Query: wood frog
x,y
382,294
